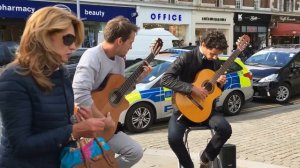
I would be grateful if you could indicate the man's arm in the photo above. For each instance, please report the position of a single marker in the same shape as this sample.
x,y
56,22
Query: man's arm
x,y
171,78
84,80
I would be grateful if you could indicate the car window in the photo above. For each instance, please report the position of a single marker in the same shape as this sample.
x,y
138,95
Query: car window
x,y
7,52
296,62
75,56
158,68
2,55
12,48
278,59
234,67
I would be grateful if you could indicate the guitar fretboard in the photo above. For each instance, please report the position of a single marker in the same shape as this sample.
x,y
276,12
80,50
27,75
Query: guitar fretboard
x,y
131,80
225,66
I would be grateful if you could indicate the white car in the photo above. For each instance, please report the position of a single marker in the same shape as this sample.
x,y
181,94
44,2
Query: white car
x,y
150,101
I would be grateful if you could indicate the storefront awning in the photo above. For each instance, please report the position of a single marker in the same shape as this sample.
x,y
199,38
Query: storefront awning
x,y
286,29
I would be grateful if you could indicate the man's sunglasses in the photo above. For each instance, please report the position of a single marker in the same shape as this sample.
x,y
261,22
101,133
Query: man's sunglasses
x,y
68,39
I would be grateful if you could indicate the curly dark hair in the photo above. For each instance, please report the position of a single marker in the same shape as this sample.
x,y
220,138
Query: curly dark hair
x,y
215,39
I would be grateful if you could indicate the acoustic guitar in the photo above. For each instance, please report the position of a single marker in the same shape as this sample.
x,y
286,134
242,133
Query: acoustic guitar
x,y
110,98
191,106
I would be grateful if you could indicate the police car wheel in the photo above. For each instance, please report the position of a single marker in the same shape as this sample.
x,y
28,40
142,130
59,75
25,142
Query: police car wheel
x,y
233,103
139,117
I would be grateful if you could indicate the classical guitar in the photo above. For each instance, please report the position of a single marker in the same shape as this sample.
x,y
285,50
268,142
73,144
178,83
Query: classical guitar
x,y
191,106
110,98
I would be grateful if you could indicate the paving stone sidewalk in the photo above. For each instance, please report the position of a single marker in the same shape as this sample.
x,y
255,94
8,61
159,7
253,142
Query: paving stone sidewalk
x,y
265,138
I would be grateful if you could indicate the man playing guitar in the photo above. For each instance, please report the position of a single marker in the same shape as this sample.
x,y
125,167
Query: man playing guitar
x,y
94,66
179,77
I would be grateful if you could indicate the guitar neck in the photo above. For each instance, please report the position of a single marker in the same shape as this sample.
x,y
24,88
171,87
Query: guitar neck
x,y
131,80
225,66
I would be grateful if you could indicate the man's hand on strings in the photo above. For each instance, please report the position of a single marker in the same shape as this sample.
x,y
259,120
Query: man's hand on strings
x,y
146,70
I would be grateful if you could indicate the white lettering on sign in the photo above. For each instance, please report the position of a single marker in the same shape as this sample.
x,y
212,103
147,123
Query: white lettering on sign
x,y
166,17
94,13
4,7
286,18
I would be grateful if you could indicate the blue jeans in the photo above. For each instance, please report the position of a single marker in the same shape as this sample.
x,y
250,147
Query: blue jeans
x,y
176,131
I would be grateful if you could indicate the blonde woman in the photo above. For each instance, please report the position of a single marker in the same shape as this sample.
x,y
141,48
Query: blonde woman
x,y
36,98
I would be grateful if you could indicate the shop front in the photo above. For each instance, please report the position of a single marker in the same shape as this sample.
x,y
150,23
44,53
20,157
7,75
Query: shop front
x,y
177,21
256,26
285,29
204,21
13,15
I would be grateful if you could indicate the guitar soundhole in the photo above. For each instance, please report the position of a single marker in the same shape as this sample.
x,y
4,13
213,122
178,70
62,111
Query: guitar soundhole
x,y
208,86
115,97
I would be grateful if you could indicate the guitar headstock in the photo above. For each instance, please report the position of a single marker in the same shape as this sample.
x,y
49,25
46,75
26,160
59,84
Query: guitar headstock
x,y
242,42
157,46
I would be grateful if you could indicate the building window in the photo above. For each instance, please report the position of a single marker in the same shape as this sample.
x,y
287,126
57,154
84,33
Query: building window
x,y
287,5
265,4
256,4
228,2
248,3
238,4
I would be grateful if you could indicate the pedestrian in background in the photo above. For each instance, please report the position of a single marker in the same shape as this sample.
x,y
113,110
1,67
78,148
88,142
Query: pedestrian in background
x,y
36,97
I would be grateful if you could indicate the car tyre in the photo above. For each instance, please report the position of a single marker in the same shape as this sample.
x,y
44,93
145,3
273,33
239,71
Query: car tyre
x,y
233,103
283,93
139,117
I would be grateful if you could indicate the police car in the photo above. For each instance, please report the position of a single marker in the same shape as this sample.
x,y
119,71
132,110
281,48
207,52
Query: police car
x,y
150,101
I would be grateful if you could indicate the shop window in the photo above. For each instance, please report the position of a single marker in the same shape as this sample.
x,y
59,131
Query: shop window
x,y
261,29
251,29
237,28
244,29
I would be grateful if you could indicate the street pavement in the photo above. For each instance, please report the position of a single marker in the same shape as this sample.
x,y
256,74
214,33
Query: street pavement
x,y
267,138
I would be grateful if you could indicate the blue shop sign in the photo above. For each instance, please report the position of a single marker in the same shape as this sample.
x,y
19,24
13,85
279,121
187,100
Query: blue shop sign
x,y
23,8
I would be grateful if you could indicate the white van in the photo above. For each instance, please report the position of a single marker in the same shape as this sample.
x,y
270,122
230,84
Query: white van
x,y
141,46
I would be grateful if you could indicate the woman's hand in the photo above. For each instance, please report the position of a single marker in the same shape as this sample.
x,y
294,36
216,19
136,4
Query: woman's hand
x,y
82,113
109,122
89,128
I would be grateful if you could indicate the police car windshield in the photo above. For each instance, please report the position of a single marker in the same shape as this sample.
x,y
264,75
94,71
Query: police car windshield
x,y
158,68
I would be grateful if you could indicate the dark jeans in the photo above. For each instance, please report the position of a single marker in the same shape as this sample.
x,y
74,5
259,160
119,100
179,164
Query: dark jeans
x,y
176,131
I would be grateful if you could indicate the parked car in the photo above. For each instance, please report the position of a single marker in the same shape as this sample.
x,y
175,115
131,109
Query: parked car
x,y
73,61
150,101
276,72
7,51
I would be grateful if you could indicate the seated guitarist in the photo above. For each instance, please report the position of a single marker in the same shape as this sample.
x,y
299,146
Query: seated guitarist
x,y
94,66
179,77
